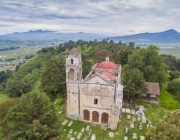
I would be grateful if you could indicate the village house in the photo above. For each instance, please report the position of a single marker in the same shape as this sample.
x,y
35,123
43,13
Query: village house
x,y
152,93
97,98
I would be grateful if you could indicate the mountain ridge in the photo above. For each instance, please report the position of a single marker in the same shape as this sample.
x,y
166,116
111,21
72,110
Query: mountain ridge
x,y
168,36
50,35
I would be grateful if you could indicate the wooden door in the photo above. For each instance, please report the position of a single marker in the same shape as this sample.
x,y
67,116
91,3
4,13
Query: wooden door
x,y
104,118
95,116
86,115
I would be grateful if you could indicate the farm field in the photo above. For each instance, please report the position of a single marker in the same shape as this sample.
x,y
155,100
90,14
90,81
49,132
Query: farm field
x,y
19,53
170,51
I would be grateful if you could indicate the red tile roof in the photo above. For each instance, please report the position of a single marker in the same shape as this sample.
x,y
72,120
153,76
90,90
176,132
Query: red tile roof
x,y
108,76
107,65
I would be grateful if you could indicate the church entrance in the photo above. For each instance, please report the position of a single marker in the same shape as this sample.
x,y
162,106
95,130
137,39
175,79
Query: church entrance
x,y
104,118
95,116
86,115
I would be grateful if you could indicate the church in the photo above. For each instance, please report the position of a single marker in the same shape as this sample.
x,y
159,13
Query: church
x,y
97,98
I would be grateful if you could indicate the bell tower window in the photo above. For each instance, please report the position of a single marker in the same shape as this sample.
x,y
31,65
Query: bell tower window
x,y
71,74
71,61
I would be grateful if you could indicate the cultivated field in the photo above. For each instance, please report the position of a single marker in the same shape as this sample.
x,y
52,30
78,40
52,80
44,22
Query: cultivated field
x,y
170,51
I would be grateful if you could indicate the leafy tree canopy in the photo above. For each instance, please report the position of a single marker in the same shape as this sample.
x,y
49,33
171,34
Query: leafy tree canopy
x,y
101,56
54,76
149,63
174,87
32,118
16,89
174,74
166,129
134,83
172,62
4,107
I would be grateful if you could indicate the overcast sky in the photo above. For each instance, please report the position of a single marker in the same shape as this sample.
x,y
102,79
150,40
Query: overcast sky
x,y
110,17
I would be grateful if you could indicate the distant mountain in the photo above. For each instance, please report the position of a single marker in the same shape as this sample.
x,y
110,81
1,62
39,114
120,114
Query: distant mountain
x,y
50,35
169,36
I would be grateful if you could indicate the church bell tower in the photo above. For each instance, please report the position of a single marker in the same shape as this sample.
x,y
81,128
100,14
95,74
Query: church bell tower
x,y
73,79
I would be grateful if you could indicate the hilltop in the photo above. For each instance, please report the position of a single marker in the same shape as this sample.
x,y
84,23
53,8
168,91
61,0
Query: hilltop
x,y
50,35
169,36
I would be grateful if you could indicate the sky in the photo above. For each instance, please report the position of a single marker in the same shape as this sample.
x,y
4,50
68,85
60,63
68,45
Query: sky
x,y
108,17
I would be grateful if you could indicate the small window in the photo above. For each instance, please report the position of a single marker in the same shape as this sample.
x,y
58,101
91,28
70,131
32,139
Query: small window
x,y
95,101
71,61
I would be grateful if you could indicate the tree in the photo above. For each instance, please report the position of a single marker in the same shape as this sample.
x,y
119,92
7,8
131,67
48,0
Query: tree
x,y
87,65
178,64
123,55
134,83
101,55
170,61
166,129
16,89
4,107
33,118
174,87
174,74
54,76
3,78
131,45
149,63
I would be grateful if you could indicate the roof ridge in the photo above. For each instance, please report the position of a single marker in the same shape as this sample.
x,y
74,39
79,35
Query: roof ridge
x,y
73,51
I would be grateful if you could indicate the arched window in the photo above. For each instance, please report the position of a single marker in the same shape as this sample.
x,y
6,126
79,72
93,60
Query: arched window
x,y
71,61
104,118
71,74
95,116
86,115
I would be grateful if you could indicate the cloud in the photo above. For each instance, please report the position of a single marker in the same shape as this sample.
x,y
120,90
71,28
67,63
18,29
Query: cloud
x,y
113,17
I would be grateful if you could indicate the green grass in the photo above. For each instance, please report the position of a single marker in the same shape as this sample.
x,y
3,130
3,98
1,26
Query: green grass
x,y
168,101
153,113
170,51
20,52
3,97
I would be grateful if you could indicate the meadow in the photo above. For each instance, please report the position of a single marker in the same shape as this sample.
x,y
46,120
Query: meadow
x,y
170,51
19,53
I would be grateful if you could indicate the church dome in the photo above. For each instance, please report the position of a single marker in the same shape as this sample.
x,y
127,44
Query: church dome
x,y
107,65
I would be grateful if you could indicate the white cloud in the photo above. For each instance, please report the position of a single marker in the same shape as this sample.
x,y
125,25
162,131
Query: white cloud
x,y
113,17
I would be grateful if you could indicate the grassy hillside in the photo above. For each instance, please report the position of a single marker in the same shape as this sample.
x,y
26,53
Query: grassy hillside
x,y
31,70
3,97
167,100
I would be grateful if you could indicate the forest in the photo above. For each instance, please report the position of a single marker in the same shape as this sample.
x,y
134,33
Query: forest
x,y
44,77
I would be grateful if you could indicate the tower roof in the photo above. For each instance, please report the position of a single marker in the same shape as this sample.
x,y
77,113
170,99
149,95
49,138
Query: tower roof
x,y
73,51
